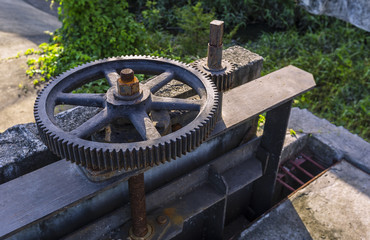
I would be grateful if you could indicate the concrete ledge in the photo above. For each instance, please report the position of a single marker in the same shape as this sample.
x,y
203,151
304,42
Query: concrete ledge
x,y
22,151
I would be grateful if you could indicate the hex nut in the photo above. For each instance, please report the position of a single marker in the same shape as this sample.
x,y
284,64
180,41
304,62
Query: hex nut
x,y
128,84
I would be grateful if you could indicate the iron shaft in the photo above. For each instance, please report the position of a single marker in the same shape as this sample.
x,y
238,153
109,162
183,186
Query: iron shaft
x,y
138,207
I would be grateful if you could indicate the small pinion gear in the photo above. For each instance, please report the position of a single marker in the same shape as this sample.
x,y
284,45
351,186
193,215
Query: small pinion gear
x,y
222,78
77,145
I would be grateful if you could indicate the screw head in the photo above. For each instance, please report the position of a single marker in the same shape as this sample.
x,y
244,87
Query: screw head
x,y
161,219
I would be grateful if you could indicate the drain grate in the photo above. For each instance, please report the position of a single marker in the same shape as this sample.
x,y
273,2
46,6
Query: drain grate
x,y
296,172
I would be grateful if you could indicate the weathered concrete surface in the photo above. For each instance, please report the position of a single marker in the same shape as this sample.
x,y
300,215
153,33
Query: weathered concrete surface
x,y
248,64
331,141
334,206
21,151
356,12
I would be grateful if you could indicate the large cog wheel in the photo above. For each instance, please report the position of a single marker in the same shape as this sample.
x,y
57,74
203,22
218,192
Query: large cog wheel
x,y
77,146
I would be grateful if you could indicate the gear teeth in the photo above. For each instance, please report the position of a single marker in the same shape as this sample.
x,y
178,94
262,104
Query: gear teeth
x,y
75,155
87,157
162,152
113,160
167,151
173,151
101,163
135,159
148,160
128,159
63,146
183,145
178,147
81,156
70,150
106,160
155,155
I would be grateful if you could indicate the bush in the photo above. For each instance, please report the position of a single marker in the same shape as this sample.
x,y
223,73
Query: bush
x,y
337,56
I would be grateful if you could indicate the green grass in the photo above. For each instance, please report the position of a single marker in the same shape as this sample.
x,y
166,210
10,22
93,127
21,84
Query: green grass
x,y
337,55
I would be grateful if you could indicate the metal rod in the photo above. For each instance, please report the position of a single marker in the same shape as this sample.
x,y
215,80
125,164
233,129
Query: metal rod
x,y
138,207
312,161
291,175
303,170
285,184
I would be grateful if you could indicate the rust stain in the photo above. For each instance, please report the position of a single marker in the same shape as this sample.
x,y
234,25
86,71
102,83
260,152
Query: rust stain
x,y
175,218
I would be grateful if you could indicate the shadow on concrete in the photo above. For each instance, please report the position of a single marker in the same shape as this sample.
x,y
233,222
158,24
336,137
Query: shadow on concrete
x,y
281,223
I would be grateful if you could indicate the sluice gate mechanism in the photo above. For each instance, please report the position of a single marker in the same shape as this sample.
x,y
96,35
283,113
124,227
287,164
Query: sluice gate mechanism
x,y
175,156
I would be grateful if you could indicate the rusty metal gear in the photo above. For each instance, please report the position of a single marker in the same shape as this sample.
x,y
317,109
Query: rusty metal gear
x,y
222,78
77,146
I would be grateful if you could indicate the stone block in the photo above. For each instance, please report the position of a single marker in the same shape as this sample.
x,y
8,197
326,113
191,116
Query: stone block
x,y
248,64
21,151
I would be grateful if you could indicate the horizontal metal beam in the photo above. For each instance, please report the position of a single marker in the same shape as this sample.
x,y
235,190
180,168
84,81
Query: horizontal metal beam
x,y
264,94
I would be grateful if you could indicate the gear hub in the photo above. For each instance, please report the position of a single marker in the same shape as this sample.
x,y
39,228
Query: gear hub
x,y
133,105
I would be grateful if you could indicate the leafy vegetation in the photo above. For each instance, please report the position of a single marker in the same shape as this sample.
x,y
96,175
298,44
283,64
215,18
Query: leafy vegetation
x,y
338,57
335,52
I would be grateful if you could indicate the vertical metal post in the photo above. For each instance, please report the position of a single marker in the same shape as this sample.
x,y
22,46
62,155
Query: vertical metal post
x,y
214,53
138,207
271,146
214,56
128,85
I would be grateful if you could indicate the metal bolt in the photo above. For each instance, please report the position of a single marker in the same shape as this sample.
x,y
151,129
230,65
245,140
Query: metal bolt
x,y
128,84
161,219
127,75
214,56
137,201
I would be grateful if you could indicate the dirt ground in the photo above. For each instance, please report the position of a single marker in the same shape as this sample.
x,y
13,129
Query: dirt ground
x,y
22,26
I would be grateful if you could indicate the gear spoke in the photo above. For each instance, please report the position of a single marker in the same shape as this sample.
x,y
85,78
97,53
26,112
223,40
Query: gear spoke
x,y
159,81
92,125
144,125
167,103
112,76
81,99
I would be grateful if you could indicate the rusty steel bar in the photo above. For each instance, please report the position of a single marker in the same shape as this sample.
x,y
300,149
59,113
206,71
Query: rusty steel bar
x,y
285,184
312,161
138,207
302,169
284,169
